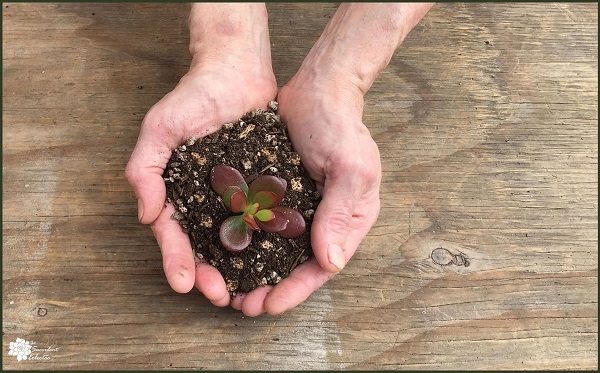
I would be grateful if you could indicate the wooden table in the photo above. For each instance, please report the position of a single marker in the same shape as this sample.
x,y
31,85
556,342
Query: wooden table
x,y
484,255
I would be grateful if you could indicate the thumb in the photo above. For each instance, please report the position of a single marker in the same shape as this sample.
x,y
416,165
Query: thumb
x,y
144,173
348,210
333,223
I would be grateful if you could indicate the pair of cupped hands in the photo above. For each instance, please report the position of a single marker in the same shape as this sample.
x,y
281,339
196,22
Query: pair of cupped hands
x,y
324,120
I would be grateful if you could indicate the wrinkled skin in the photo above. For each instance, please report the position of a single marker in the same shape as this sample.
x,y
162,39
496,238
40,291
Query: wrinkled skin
x,y
349,185
326,129
203,100
322,105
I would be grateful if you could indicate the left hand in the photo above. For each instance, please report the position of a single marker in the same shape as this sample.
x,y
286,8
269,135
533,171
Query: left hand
x,y
205,98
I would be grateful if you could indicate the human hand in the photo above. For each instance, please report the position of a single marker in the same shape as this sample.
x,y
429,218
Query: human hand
x,y
215,91
323,106
325,126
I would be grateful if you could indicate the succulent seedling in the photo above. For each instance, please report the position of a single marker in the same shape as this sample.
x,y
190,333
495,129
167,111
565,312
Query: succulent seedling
x,y
258,205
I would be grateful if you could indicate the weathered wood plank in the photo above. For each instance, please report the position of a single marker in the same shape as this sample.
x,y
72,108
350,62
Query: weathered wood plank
x,y
487,122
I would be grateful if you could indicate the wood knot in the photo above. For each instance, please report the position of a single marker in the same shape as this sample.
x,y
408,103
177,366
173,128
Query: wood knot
x,y
443,257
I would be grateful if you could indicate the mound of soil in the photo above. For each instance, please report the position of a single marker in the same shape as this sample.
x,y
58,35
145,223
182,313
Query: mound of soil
x,y
257,144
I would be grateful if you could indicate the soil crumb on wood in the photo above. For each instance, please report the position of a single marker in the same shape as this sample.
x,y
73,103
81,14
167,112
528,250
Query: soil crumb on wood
x,y
257,144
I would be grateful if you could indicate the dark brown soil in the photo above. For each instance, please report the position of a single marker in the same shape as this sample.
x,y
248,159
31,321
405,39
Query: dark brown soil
x,y
257,144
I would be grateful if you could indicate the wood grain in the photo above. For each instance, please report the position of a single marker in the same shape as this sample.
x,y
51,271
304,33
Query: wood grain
x,y
486,120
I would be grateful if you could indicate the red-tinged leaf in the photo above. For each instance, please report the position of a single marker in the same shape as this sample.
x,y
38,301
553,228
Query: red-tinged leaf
x,y
275,225
238,201
235,235
267,183
235,199
251,222
266,199
223,176
296,224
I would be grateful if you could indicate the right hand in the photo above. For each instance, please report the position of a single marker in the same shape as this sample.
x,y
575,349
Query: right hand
x,y
324,121
325,125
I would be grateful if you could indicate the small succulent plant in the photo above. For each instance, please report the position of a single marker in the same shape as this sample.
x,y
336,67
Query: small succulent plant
x,y
259,205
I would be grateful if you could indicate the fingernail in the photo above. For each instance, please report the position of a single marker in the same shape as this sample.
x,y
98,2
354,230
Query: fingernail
x,y
140,209
335,255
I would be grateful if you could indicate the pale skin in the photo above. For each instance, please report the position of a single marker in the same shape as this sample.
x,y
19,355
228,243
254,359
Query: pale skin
x,y
322,105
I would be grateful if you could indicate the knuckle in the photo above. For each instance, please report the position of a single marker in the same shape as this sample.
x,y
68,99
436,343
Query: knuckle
x,y
339,220
154,116
363,167
131,173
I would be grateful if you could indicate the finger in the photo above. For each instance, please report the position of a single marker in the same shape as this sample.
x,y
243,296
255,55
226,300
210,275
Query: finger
x,y
144,173
296,288
236,302
178,259
333,222
254,302
349,207
210,282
